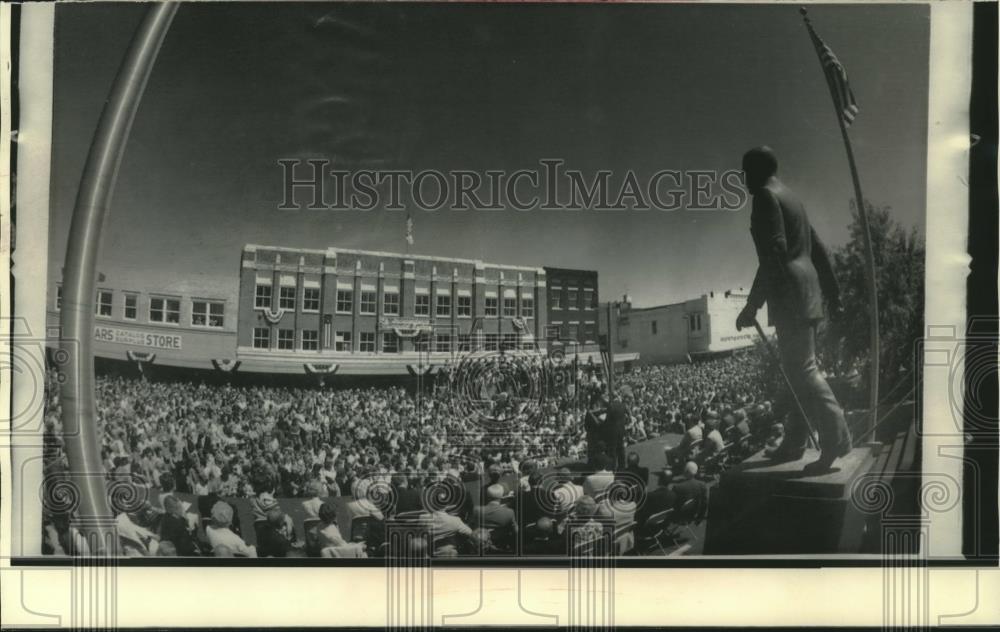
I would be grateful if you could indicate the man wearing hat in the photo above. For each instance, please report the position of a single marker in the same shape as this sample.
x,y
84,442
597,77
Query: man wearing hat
x,y
793,277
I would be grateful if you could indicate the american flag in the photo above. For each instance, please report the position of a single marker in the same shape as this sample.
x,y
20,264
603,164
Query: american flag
x,y
836,77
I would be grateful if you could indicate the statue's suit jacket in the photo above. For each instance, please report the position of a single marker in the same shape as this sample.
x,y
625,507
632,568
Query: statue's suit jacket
x,y
794,270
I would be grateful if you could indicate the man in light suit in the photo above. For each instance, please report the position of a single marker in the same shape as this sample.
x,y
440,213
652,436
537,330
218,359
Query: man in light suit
x,y
793,275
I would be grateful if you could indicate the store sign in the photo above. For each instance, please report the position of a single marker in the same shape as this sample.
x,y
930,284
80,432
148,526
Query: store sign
x,y
137,338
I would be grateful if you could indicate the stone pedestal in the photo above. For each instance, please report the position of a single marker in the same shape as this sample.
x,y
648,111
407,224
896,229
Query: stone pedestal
x,y
765,508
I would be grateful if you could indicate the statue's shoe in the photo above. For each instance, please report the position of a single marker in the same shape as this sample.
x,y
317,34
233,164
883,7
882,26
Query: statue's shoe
x,y
785,452
827,457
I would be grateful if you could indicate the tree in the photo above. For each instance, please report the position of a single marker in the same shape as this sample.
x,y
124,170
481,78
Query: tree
x,y
899,274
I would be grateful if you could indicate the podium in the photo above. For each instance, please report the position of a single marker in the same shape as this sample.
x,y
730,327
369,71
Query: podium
x,y
764,508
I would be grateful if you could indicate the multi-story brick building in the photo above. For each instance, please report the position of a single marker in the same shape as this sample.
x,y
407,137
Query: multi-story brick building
x,y
343,311
377,308
572,305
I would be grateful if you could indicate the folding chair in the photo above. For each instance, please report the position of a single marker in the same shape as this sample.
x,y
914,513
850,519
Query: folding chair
x,y
620,533
658,526
685,516
359,528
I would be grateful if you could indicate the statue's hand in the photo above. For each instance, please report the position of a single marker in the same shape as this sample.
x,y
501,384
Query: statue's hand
x,y
746,318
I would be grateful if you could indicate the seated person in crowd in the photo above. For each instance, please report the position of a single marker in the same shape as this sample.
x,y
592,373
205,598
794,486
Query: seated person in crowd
x,y
602,477
658,500
529,500
447,532
543,538
166,549
167,487
693,434
619,513
407,498
493,475
219,533
566,492
634,472
528,467
713,442
496,518
274,539
360,506
311,505
690,488
175,528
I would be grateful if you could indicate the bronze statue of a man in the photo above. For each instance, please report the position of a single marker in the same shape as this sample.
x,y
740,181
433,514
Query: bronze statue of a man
x,y
793,275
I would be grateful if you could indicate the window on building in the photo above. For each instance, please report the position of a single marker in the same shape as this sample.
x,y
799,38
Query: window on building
x,y
422,305
261,337
58,297
345,301
104,298
491,342
207,313
588,297
369,301
591,332
527,307
552,332
573,332
390,303
286,297
310,340
342,341
165,310
442,343
654,327
509,342
509,307
695,322
367,342
262,296
555,299
286,339
390,343
464,342
492,306
130,309
310,299
464,306
443,307
572,298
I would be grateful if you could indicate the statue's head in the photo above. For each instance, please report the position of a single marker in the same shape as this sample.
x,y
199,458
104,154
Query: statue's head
x,y
759,164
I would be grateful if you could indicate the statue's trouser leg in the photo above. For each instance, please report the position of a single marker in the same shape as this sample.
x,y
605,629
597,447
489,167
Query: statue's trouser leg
x,y
797,348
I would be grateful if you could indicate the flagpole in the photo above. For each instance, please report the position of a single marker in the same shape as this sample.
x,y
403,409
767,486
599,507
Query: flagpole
x,y
79,410
870,284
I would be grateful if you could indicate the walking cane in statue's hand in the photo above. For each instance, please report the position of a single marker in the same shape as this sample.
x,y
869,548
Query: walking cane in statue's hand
x,y
777,359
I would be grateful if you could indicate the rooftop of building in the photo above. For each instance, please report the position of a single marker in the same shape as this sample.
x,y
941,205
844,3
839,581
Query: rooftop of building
x,y
730,293
334,250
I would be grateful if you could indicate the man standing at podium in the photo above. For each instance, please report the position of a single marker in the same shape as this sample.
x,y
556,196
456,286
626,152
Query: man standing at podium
x,y
794,274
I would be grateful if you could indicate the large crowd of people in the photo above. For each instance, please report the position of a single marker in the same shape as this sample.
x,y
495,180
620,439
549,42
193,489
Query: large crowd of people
x,y
512,428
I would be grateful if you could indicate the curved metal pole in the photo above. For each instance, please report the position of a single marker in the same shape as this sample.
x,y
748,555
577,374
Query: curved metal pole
x,y
79,414
871,287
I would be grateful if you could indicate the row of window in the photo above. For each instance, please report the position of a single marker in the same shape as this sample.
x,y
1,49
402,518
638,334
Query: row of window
x,y
390,303
164,310
572,298
694,323
308,340
572,332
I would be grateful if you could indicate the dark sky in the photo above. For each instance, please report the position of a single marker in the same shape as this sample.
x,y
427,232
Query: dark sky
x,y
643,87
